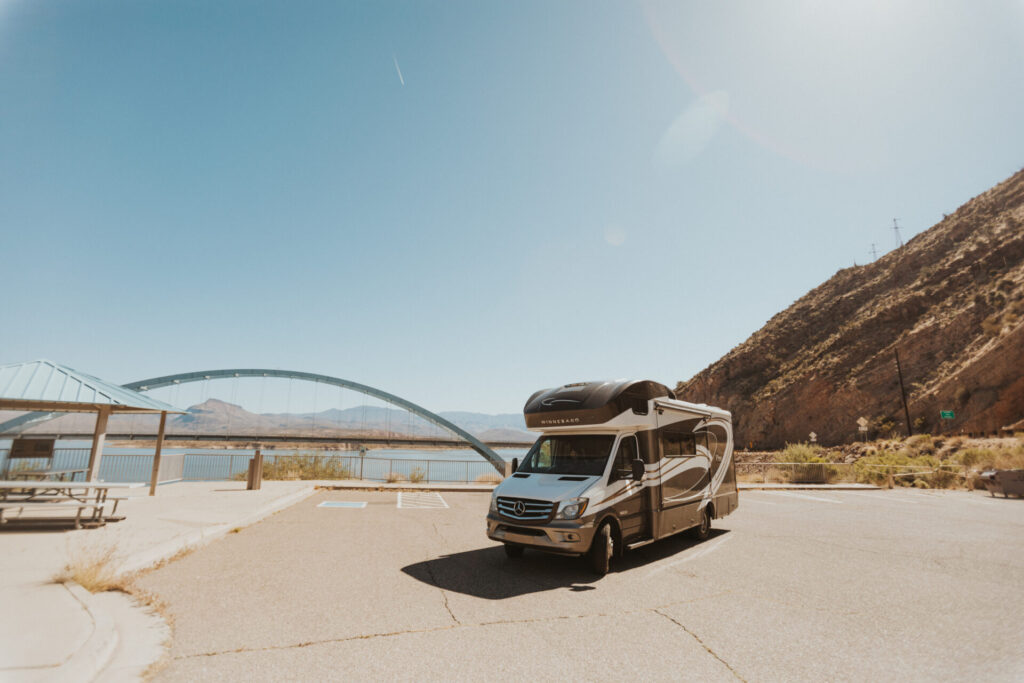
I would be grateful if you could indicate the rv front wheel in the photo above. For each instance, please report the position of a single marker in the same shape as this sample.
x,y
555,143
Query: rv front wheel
x,y
704,530
600,553
513,550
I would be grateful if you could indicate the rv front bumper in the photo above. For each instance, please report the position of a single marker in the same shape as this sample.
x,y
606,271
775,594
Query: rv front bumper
x,y
570,537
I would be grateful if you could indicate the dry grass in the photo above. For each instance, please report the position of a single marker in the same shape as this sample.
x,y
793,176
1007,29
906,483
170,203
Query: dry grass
x,y
94,569
417,475
394,478
489,478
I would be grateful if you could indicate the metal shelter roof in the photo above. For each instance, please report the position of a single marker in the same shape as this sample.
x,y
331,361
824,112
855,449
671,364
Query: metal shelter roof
x,y
45,385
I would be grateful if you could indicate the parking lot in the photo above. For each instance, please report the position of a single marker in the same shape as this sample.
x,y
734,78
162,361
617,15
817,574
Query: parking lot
x,y
796,585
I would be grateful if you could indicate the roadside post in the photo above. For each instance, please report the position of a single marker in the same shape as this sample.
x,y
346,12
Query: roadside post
x,y
254,479
814,437
862,427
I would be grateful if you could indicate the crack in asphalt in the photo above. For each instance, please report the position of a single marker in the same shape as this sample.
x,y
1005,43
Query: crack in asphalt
x,y
433,580
369,636
460,625
701,643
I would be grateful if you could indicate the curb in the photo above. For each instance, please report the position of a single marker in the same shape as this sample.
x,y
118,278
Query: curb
x,y
201,537
808,487
95,653
447,488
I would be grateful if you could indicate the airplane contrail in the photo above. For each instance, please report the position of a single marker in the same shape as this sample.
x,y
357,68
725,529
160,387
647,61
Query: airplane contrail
x,y
399,70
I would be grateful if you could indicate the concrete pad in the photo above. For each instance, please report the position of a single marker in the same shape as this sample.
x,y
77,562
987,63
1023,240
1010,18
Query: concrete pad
x,y
61,632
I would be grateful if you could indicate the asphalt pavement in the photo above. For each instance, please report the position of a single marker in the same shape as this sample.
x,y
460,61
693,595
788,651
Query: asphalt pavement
x,y
795,585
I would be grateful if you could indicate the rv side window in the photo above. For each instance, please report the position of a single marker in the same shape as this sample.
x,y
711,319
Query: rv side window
x,y
679,445
622,468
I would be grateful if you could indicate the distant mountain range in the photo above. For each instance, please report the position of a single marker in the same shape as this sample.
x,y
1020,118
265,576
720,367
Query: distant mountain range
x,y
216,417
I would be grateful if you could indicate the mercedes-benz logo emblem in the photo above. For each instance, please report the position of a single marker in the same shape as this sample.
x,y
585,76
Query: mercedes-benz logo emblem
x,y
520,508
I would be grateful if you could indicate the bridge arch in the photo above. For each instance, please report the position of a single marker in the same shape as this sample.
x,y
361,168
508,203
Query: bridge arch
x,y
187,377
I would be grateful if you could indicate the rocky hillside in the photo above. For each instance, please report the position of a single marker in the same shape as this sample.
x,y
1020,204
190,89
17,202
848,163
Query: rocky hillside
x,y
951,301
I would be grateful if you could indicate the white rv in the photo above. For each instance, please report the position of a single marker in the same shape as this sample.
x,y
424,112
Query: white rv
x,y
617,465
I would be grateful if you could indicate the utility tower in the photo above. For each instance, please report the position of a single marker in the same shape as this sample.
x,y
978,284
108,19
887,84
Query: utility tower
x,y
874,252
896,229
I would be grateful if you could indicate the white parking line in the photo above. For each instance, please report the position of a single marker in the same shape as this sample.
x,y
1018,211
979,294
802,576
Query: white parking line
x,y
426,500
882,496
706,550
747,499
790,494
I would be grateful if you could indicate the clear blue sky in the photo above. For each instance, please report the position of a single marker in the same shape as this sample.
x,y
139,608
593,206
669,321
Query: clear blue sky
x,y
463,202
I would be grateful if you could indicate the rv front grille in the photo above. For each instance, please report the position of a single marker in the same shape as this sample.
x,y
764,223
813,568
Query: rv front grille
x,y
525,509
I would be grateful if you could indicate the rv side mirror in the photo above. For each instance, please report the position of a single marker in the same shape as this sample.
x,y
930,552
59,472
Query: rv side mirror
x,y
638,469
515,464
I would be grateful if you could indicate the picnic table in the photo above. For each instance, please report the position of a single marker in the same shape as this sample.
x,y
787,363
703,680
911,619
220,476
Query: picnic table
x,y
59,475
46,496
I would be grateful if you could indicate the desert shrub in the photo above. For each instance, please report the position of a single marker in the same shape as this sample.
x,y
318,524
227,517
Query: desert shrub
x,y
304,466
927,471
1000,458
920,444
811,467
963,394
992,326
394,477
883,426
996,299
417,475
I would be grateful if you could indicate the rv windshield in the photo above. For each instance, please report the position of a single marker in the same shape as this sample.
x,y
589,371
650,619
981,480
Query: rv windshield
x,y
569,454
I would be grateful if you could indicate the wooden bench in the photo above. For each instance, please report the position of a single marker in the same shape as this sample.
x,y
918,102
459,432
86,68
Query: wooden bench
x,y
51,498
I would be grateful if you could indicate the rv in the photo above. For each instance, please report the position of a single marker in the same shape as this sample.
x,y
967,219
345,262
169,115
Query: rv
x,y
617,465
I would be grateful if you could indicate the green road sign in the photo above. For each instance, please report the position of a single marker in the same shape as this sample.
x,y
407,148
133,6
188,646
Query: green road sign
x,y
946,414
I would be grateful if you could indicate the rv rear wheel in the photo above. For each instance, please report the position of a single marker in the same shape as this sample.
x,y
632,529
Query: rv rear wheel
x,y
704,530
600,553
513,550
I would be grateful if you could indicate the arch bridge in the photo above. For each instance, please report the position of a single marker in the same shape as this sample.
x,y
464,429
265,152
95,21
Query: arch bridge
x,y
30,419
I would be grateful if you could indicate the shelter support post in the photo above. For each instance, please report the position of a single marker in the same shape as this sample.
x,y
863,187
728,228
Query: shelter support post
x,y
98,437
155,479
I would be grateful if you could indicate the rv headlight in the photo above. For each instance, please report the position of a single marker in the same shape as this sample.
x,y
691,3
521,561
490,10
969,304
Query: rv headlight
x,y
494,501
572,508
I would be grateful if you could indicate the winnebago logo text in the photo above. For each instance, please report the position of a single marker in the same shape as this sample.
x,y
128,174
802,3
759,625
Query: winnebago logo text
x,y
561,421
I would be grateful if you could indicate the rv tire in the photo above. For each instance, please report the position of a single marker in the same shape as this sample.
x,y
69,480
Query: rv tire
x,y
513,550
601,549
702,531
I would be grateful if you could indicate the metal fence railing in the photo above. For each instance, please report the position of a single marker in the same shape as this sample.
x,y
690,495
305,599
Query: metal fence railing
x,y
234,466
840,473
113,467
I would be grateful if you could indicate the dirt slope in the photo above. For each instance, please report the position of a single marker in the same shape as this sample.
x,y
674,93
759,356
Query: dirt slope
x,y
951,301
